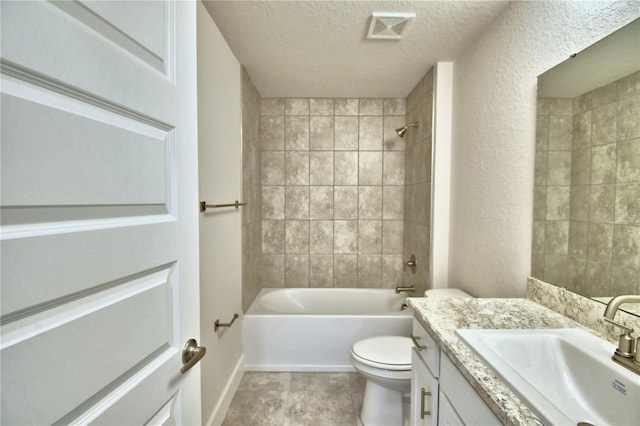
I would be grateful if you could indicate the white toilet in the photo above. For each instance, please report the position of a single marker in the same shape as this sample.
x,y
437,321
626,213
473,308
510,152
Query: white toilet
x,y
386,363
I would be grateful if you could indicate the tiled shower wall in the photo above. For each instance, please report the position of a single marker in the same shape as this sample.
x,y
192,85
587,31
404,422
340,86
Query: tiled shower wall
x,y
417,204
251,220
587,190
333,176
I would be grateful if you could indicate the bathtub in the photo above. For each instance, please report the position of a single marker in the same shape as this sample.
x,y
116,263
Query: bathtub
x,y
309,329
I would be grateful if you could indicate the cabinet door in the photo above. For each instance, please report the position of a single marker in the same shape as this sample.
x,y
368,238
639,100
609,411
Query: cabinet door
x,y
448,416
424,394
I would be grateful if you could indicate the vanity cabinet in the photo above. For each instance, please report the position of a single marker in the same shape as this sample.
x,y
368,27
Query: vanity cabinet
x,y
439,389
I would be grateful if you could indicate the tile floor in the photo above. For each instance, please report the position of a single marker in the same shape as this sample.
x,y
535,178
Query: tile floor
x,y
297,399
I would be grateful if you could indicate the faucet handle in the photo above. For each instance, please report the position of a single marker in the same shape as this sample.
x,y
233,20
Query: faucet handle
x,y
626,343
627,330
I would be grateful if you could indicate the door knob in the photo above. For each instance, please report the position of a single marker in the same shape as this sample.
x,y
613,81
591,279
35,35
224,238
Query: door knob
x,y
191,354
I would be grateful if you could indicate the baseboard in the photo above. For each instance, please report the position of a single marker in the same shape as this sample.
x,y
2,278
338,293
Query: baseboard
x,y
300,367
220,410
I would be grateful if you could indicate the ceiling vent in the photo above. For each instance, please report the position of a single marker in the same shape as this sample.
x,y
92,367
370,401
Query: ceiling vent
x,y
389,26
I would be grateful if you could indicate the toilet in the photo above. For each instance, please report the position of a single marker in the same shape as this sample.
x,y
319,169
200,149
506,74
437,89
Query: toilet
x,y
386,363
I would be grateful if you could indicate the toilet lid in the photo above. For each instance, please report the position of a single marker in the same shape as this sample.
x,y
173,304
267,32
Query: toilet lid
x,y
388,352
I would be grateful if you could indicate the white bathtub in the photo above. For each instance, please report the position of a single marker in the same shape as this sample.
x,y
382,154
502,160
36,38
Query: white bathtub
x,y
308,329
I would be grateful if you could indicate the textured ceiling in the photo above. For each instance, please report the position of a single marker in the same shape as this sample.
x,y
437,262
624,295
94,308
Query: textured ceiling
x,y
319,48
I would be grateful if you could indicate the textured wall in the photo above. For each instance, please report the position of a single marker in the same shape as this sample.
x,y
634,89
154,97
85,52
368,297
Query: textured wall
x,y
251,190
332,178
494,134
417,204
587,190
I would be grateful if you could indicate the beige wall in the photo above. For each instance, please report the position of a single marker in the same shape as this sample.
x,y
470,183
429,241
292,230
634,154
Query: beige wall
x,y
219,181
417,203
251,191
332,174
494,135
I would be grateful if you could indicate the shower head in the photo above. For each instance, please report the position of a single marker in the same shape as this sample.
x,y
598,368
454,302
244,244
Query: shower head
x,y
402,130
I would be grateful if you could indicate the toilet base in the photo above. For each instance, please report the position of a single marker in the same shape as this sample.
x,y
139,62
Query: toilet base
x,y
381,406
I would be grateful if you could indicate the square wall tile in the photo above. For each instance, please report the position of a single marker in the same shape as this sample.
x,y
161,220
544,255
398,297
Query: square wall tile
x,y
345,271
272,106
393,168
272,270
370,236
560,129
321,133
346,168
321,106
603,164
345,106
297,236
321,237
321,270
273,236
271,132
345,133
321,202
627,204
273,201
345,204
370,270
272,167
296,133
395,107
393,202
296,106
345,239
296,272
628,161
321,168
392,236
370,168
370,133
626,246
580,202
370,202
628,123
557,237
297,202
600,243
558,203
296,168
604,122
371,107
392,269
602,203
559,168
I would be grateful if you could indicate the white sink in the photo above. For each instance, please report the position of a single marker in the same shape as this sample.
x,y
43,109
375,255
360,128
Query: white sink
x,y
566,375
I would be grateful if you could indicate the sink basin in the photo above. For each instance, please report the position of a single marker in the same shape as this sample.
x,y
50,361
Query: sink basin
x,y
565,375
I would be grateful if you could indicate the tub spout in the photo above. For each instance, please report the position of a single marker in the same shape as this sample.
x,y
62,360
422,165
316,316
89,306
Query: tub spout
x,y
410,289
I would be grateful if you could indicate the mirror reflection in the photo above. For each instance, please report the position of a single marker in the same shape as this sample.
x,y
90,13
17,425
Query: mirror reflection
x,y
586,229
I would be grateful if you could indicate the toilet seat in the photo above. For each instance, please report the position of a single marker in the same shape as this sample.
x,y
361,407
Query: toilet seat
x,y
384,352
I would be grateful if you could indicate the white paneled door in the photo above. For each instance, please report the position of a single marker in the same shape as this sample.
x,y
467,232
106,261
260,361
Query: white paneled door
x,y
99,225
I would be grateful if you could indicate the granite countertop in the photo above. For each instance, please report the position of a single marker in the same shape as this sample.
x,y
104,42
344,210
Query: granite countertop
x,y
442,317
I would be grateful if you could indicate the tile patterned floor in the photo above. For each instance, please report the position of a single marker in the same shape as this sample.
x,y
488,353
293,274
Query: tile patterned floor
x,y
297,399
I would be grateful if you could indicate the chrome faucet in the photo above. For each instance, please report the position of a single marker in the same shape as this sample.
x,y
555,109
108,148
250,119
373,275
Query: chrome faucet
x,y
410,289
627,353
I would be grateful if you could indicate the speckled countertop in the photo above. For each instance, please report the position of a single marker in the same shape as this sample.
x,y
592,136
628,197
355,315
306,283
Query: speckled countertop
x,y
442,317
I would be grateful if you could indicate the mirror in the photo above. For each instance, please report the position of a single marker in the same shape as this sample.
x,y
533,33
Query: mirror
x,y
586,228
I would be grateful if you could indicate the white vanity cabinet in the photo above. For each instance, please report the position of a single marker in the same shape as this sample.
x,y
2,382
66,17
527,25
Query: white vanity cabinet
x,y
438,388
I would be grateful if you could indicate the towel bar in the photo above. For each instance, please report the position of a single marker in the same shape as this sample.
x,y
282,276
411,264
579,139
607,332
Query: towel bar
x,y
218,324
204,206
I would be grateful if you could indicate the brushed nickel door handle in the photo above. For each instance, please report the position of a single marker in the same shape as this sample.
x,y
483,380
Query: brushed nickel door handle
x,y
191,354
